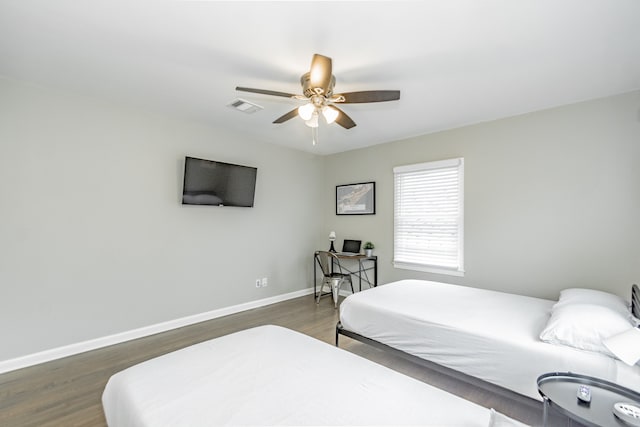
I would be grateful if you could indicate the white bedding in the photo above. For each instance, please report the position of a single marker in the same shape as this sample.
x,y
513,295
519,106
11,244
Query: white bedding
x,y
274,376
490,335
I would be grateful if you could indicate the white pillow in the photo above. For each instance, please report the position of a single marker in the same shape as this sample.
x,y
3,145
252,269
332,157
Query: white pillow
x,y
496,419
584,326
591,296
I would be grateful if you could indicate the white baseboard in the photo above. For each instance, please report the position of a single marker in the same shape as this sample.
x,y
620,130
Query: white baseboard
x,y
81,347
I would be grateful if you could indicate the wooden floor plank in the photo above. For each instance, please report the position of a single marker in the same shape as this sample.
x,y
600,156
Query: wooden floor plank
x,y
67,392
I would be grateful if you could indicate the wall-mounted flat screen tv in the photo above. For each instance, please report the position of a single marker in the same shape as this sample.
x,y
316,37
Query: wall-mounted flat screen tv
x,y
207,182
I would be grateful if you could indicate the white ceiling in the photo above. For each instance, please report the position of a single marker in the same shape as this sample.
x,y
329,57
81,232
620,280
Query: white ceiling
x,y
456,62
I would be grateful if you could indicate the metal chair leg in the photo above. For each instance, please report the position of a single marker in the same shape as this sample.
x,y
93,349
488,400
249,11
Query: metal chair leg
x,y
335,287
320,293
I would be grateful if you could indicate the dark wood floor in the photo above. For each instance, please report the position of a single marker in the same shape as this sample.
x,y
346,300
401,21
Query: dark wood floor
x,y
67,392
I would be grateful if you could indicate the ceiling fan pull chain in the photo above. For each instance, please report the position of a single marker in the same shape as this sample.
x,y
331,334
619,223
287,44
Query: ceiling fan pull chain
x,y
314,135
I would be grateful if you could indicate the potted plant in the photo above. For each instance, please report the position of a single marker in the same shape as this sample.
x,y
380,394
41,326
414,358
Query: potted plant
x,y
368,248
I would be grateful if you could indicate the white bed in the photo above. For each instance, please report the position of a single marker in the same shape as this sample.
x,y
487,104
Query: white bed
x,y
493,336
270,375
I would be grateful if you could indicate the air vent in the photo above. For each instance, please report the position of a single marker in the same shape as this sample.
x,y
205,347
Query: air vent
x,y
245,106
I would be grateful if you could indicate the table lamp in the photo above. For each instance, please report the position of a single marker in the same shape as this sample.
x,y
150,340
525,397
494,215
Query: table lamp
x,y
332,237
625,346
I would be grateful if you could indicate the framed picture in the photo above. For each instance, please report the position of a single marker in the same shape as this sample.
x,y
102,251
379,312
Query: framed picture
x,y
356,199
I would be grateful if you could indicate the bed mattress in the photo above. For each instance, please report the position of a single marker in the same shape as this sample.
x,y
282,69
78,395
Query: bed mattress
x,y
490,335
270,375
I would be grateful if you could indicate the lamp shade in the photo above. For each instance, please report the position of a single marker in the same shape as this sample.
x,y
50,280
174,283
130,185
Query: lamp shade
x,y
625,346
330,114
306,111
313,121
332,235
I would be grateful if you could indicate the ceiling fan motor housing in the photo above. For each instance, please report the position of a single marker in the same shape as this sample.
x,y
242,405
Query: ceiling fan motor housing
x,y
310,91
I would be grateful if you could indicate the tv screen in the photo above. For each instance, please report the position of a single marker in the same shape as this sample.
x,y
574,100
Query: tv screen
x,y
207,182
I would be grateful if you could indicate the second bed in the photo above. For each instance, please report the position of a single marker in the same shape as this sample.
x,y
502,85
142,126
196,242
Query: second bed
x,y
489,335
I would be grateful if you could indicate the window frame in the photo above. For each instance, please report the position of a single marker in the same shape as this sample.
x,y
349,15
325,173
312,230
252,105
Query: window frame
x,y
455,163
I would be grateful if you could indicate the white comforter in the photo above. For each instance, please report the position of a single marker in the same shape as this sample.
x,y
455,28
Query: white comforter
x,y
490,335
273,376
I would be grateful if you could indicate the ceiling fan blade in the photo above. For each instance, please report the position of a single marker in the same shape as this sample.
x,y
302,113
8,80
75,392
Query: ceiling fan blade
x,y
344,120
266,92
290,115
320,73
369,96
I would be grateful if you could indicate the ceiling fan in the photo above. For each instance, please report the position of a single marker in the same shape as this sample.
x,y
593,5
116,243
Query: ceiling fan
x,y
317,87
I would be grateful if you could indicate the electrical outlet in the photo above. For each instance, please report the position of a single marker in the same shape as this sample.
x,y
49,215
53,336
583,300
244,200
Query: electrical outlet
x,y
258,283
265,282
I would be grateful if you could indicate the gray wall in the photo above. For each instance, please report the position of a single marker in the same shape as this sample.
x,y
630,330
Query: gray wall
x,y
552,198
94,239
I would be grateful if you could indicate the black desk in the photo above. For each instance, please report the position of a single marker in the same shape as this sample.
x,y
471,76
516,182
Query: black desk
x,y
361,271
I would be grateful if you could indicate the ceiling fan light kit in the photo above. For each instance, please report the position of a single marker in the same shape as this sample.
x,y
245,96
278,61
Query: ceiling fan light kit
x,y
306,111
312,122
330,114
317,87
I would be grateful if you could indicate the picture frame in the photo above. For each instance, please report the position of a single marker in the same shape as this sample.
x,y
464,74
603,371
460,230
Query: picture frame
x,y
356,199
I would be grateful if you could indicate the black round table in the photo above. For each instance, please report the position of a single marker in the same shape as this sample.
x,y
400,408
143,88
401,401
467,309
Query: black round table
x,y
559,390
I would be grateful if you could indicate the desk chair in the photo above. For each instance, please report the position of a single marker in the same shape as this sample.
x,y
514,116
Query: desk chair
x,y
329,263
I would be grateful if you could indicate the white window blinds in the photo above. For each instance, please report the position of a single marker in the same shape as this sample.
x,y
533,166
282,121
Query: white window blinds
x,y
428,216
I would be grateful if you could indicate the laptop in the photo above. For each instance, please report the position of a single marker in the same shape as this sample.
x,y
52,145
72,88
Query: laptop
x,y
351,247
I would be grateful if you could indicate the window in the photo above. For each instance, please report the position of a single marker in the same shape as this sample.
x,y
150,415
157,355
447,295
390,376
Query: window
x,y
428,217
